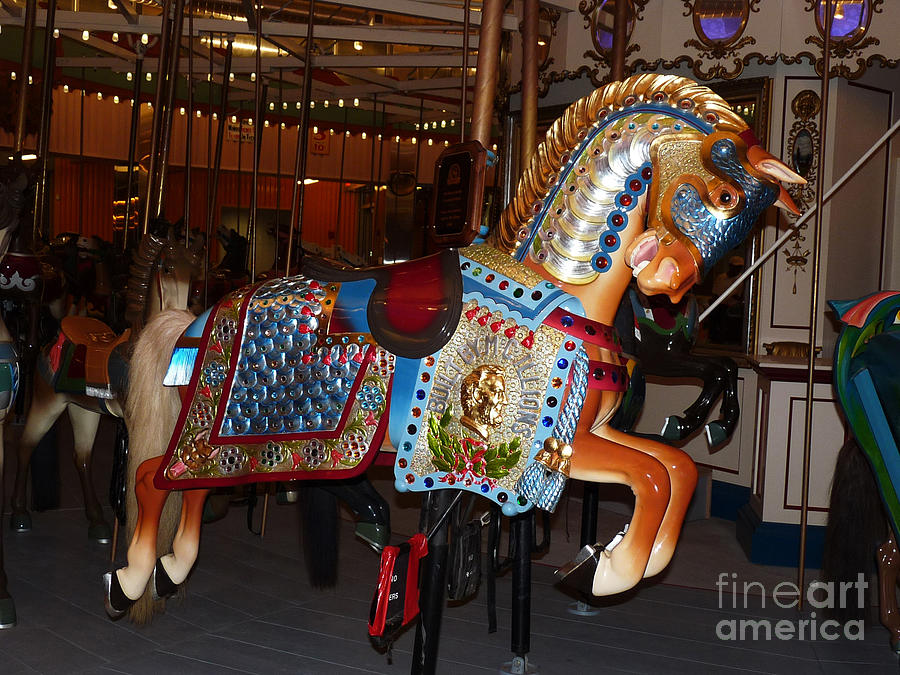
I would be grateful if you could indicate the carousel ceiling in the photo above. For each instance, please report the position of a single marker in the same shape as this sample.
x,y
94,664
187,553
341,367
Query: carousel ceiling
x,y
399,60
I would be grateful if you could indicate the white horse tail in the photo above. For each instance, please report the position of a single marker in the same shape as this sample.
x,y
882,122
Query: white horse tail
x,y
151,411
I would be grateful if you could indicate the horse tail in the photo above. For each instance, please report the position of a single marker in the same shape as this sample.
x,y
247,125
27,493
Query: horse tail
x,y
319,535
151,411
856,524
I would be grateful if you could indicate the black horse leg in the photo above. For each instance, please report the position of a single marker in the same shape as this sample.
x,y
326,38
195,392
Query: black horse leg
x,y
7,607
373,514
714,378
720,430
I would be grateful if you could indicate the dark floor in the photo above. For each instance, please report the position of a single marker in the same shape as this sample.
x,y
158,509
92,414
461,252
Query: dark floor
x,y
250,609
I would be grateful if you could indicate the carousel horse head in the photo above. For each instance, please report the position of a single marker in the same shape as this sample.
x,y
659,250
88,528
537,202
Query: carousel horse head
x,y
13,186
664,177
161,272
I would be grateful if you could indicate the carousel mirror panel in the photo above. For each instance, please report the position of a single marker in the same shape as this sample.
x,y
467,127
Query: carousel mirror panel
x,y
851,19
720,21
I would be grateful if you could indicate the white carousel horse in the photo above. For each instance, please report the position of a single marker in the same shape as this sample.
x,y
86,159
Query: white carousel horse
x,y
654,178
85,370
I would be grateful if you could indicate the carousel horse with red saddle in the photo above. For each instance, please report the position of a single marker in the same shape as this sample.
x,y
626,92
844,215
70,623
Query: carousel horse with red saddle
x,y
84,371
492,369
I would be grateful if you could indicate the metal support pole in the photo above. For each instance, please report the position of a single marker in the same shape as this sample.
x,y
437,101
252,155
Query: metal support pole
x,y
209,163
166,129
155,130
298,191
433,579
278,168
620,40
49,66
529,84
814,304
487,71
189,133
522,529
132,140
464,99
220,137
27,46
257,145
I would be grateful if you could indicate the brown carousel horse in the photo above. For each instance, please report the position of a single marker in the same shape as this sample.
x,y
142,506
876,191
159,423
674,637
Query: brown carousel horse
x,y
84,371
13,186
654,177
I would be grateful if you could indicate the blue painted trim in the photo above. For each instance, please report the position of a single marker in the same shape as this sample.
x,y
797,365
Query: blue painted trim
x,y
878,423
351,305
195,330
778,543
727,499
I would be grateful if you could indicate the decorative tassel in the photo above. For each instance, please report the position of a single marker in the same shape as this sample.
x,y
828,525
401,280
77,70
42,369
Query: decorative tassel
x,y
544,480
181,367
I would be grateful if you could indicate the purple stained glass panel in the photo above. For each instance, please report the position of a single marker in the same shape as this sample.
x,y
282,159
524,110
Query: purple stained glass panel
x,y
721,28
849,16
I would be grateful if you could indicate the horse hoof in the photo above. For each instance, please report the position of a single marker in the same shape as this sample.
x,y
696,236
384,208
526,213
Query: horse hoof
x,y
7,613
100,532
579,573
375,535
672,429
716,434
20,522
116,602
162,585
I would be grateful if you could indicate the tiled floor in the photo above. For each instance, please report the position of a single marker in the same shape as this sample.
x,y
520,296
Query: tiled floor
x,y
250,609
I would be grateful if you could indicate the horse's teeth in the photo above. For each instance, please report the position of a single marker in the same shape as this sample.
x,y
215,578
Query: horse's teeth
x,y
640,266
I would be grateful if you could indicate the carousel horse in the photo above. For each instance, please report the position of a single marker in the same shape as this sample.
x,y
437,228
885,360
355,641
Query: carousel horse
x,y
85,370
492,369
13,186
864,509
663,341
228,274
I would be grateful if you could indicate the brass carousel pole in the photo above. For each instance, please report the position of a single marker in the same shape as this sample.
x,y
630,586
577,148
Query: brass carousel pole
x,y
814,303
487,71
620,41
27,45
529,83
166,128
132,138
302,143
464,99
189,132
254,189
40,200
157,111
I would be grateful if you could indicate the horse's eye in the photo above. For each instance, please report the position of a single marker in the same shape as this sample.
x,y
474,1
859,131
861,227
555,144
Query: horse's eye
x,y
724,196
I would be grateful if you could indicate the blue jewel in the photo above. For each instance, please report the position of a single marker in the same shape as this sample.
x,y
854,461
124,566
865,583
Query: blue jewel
x,y
547,422
567,321
429,481
406,447
562,364
485,488
420,394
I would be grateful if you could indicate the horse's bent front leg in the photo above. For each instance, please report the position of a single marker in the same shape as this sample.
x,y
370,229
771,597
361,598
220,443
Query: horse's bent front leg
x,y
177,564
682,474
603,460
84,430
134,576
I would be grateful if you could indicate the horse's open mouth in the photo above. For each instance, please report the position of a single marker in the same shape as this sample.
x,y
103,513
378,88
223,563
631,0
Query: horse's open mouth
x,y
644,251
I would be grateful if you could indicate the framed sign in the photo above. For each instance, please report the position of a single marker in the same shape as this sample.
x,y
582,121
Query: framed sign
x,y
458,194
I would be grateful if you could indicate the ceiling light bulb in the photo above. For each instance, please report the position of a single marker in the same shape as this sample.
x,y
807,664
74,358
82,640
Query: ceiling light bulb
x,y
271,106
30,80
253,77
115,99
267,123
85,35
283,125
115,36
340,103
284,106
315,129
430,142
325,103
250,122
129,76
234,119
231,77
331,132
426,126
215,116
149,76
443,124
181,111
145,38
397,139
356,102
198,113
312,104
99,95
363,135
12,75
347,133
65,89
56,32
357,45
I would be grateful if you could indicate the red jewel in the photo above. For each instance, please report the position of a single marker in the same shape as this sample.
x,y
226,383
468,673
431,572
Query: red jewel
x,y
306,358
483,319
314,285
635,185
610,240
451,479
305,311
309,297
497,325
402,463
625,200
570,346
504,285
471,313
326,359
509,332
602,263
410,478
489,278
425,377
303,328
528,342
646,173
618,219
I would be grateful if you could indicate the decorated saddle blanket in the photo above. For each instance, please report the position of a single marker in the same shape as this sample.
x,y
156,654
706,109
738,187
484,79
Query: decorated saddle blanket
x,y
284,380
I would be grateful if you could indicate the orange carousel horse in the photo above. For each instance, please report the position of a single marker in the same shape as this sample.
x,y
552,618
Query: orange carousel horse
x,y
498,364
